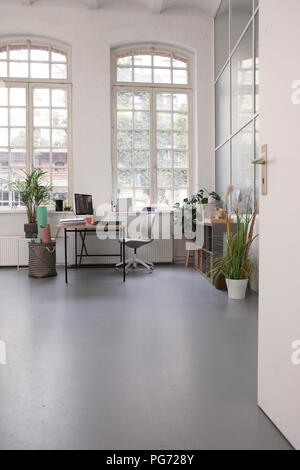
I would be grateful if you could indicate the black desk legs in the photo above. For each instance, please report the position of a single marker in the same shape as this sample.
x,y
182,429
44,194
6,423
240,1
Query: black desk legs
x,y
76,264
83,246
84,249
66,257
124,259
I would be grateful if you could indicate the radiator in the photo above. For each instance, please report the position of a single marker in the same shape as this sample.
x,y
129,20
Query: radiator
x,y
8,251
159,251
9,247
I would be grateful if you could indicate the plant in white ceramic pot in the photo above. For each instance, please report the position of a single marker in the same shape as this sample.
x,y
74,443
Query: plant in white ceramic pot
x,y
236,266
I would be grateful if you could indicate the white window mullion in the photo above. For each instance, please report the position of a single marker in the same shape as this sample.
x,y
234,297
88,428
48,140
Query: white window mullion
x,y
114,146
50,139
30,137
153,153
133,150
29,60
172,143
70,145
191,162
9,147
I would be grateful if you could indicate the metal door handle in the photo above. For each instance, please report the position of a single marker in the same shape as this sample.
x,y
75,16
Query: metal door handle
x,y
259,161
263,161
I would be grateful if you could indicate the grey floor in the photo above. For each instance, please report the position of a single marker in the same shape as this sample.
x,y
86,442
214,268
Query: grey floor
x,y
162,362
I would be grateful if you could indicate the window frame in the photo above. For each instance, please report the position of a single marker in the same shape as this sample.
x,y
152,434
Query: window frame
x,y
153,89
140,48
30,84
36,42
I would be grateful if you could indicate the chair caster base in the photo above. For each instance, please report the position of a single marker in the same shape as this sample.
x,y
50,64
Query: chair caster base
x,y
133,263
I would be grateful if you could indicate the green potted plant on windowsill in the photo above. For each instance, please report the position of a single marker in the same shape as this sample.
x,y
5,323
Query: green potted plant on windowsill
x,y
67,207
236,266
33,191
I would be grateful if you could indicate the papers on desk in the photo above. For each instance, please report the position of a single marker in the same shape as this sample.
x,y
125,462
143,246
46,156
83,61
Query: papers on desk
x,y
66,222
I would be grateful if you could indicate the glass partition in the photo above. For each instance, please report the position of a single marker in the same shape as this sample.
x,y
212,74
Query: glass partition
x,y
241,12
237,98
223,107
223,168
222,36
242,82
242,168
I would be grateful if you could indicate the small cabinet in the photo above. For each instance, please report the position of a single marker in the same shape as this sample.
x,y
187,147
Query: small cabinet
x,y
213,236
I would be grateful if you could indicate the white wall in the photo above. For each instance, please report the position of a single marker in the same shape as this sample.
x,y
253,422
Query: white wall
x,y
91,34
279,310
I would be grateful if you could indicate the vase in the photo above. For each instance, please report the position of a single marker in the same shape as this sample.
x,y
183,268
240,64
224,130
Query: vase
x,y
41,213
59,205
31,230
237,288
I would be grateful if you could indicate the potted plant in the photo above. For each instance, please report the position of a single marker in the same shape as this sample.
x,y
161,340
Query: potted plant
x,y
203,197
67,207
236,265
33,192
190,206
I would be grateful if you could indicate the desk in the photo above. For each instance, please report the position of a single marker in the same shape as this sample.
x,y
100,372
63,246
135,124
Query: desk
x,y
82,230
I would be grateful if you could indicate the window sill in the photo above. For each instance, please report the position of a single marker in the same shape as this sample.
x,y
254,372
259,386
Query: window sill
x,y
23,211
12,211
53,211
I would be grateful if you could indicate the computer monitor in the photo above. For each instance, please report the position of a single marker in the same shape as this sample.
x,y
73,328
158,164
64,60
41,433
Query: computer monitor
x,y
83,204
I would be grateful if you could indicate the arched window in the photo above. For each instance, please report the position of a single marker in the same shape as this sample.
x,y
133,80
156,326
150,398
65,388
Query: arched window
x,y
35,98
152,138
152,66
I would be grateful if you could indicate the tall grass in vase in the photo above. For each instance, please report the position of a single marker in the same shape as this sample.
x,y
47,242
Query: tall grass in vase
x,y
236,266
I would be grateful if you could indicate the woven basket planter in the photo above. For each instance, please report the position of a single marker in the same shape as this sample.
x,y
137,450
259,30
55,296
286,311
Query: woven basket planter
x,y
42,260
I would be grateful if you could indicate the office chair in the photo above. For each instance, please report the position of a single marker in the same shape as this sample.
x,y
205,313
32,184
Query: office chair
x,y
135,243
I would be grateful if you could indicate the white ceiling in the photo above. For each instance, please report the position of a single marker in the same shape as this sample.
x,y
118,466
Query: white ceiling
x,y
156,6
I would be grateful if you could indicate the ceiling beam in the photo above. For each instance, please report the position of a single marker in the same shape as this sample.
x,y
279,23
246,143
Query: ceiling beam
x,y
157,6
92,4
29,2
96,4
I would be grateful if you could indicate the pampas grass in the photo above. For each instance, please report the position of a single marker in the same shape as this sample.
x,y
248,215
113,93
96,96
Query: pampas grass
x,y
236,264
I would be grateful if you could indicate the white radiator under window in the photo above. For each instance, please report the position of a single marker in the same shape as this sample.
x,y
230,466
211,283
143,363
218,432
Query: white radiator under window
x,y
159,251
9,251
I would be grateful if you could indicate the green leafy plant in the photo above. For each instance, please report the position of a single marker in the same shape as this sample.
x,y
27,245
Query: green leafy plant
x,y
236,264
33,191
67,207
201,197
